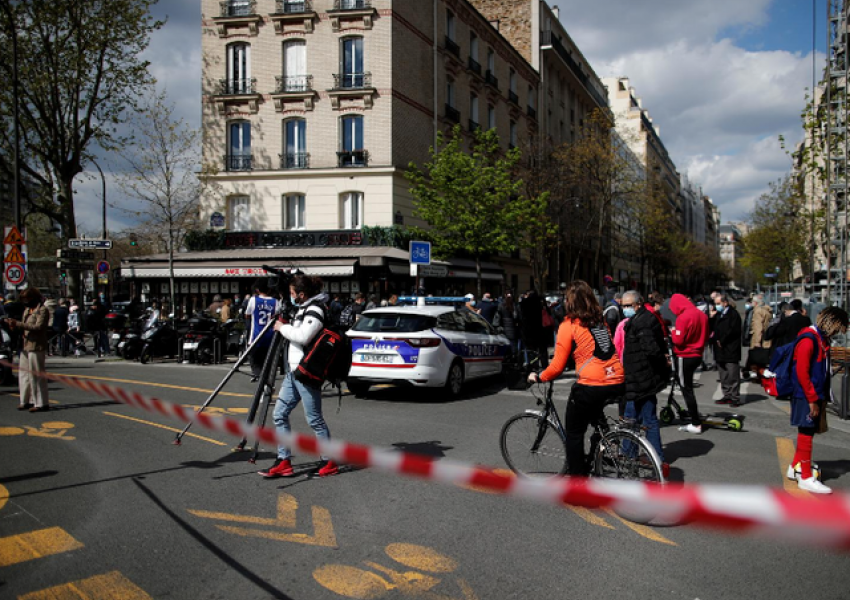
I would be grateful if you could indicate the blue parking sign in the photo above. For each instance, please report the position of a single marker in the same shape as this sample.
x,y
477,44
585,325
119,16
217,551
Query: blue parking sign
x,y
420,253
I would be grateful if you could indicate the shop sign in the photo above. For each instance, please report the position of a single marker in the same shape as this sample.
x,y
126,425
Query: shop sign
x,y
292,239
240,271
433,271
205,287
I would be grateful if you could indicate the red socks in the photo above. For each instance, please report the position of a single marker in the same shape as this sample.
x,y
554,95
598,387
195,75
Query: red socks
x,y
804,455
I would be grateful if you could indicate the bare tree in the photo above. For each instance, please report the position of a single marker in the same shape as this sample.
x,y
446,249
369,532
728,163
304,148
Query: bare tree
x,y
161,175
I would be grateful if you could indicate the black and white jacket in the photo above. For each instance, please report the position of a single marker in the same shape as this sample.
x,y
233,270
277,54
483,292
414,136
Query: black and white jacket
x,y
307,324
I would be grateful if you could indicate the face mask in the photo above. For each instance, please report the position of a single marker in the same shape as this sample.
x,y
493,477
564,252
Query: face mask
x,y
294,300
718,307
472,303
629,312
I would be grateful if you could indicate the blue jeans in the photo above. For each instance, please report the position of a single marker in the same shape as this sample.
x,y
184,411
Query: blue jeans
x,y
644,412
291,393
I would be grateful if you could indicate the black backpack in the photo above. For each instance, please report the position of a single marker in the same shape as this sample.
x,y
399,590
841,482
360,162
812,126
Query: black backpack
x,y
327,359
347,317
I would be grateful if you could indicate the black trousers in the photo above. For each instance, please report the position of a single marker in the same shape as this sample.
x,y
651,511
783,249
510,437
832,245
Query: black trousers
x,y
686,368
584,408
258,359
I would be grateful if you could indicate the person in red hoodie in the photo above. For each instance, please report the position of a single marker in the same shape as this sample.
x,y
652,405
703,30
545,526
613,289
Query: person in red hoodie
x,y
689,336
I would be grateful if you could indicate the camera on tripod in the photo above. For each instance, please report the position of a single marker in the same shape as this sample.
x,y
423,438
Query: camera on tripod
x,y
279,280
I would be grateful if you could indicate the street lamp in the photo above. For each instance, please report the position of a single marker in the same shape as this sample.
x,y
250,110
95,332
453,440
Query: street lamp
x,y
103,193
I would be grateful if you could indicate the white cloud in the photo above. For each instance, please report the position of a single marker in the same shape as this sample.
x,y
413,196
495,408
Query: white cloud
x,y
721,108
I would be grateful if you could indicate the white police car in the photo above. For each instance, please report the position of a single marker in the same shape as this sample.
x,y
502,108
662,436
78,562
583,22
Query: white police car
x,y
423,346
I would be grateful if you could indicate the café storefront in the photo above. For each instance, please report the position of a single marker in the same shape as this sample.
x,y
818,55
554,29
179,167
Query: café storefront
x,y
342,259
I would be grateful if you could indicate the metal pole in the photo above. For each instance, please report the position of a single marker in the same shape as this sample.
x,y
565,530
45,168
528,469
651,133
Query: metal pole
x,y
828,300
103,183
16,183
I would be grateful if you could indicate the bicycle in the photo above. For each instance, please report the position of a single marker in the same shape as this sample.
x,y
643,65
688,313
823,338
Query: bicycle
x,y
534,445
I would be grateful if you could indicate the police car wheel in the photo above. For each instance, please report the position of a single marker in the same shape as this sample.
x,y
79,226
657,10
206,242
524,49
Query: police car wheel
x,y
454,380
359,388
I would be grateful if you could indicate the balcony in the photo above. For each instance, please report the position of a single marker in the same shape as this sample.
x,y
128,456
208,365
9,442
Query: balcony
x,y
352,86
491,79
474,126
352,158
295,160
452,47
352,10
238,162
235,14
288,13
293,84
237,91
549,40
513,97
532,112
452,114
473,65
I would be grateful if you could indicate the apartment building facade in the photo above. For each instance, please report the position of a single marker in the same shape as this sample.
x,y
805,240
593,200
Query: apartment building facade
x,y
312,111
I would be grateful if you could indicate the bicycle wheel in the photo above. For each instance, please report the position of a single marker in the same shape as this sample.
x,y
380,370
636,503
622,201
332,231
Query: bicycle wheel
x,y
626,455
532,447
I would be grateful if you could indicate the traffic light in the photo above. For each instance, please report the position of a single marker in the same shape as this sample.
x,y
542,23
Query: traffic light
x,y
63,276
133,240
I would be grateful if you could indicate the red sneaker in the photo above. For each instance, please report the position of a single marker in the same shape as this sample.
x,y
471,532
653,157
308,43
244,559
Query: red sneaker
x,y
328,469
281,468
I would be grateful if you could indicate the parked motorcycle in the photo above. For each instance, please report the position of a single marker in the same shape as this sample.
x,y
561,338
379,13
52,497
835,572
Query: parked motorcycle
x,y
115,323
130,346
159,340
202,343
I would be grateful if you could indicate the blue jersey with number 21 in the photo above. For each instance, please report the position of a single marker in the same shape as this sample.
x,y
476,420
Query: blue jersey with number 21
x,y
264,310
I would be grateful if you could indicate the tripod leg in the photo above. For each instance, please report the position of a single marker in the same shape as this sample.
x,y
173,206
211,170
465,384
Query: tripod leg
x,y
220,386
267,395
266,373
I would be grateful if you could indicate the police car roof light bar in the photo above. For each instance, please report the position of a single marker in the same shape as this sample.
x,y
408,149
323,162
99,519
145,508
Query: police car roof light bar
x,y
448,300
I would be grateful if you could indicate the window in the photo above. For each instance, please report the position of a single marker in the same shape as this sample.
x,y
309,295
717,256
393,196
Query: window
x,y
352,63
351,205
239,146
491,61
512,81
450,93
491,116
352,152
295,144
513,136
239,69
473,112
450,25
239,8
293,213
473,47
295,66
238,213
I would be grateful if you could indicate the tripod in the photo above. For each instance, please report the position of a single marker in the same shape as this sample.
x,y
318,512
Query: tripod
x,y
265,386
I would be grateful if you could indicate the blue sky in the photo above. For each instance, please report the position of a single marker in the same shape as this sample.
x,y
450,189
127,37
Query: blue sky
x,y
723,79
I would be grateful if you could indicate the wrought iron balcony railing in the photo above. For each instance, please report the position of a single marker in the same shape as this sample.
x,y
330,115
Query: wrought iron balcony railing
x,y
352,81
474,65
290,84
288,7
491,79
353,158
452,114
295,160
473,125
452,47
238,87
238,8
352,4
239,162
513,97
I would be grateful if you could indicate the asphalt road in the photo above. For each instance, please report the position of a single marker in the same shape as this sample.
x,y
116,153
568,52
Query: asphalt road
x,y
102,505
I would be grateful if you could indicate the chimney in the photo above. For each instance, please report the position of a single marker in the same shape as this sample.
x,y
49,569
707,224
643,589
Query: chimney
x,y
556,11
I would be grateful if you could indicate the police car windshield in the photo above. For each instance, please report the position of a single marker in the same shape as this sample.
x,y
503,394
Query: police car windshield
x,y
394,322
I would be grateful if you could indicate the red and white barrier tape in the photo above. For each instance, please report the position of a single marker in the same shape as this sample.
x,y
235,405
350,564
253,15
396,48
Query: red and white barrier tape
x,y
823,521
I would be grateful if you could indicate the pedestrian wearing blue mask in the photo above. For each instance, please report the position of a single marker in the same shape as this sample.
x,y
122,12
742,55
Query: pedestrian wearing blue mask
x,y
727,344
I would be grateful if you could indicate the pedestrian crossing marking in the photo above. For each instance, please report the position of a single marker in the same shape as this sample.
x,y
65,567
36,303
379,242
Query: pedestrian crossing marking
x,y
21,548
110,585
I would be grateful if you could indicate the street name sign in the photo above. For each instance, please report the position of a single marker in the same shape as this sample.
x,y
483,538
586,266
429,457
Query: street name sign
x,y
90,244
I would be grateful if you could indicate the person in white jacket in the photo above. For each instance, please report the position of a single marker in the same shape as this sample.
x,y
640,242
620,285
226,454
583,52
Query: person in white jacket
x,y
306,294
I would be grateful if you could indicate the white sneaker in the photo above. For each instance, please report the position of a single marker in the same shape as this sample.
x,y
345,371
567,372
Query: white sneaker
x,y
813,485
793,472
691,428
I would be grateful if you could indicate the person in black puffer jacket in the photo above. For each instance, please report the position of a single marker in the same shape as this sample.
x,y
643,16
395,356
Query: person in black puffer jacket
x,y
727,344
506,318
646,365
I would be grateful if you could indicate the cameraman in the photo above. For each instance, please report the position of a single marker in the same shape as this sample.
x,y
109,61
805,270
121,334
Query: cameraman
x,y
306,295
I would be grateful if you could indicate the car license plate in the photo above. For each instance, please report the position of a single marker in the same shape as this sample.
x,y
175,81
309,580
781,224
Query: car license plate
x,y
377,358
190,346
116,336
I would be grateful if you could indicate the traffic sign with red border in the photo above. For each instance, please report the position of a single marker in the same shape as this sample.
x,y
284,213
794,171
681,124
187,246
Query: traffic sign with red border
x,y
103,267
15,273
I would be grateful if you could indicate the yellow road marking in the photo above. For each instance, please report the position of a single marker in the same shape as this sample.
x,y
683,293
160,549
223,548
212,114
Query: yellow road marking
x,y
590,517
422,558
110,585
323,531
286,508
175,430
642,530
161,385
35,544
4,496
785,451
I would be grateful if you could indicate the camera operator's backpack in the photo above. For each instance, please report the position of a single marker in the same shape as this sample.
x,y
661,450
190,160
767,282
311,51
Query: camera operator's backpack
x,y
327,359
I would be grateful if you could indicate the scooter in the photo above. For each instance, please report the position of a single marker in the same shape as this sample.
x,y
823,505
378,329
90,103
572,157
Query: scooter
x,y
159,340
115,326
202,344
732,422
130,347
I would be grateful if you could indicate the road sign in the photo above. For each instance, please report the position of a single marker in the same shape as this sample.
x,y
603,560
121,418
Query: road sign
x,y
15,273
103,280
78,255
90,244
420,253
433,271
13,237
103,267
770,274
15,256
15,253
69,265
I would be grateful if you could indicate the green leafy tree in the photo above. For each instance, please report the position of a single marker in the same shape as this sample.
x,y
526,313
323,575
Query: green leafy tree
x,y
471,200
161,176
779,236
79,70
